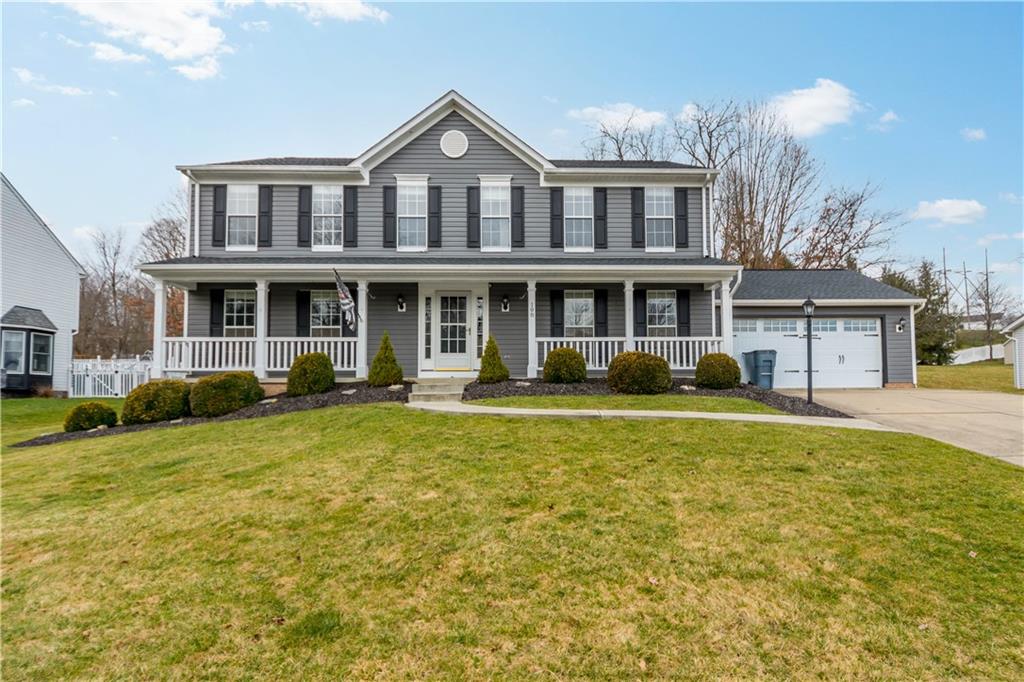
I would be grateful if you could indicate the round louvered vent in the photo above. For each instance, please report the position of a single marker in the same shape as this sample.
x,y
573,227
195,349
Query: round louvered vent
x,y
454,144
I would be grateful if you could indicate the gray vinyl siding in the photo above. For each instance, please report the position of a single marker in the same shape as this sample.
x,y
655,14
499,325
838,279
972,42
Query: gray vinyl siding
x,y
401,327
510,329
897,349
423,156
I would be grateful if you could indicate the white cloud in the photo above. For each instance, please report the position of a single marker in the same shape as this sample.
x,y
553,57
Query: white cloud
x,y
68,41
950,211
105,52
811,111
618,115
886,121
39,83
84,232
207,67
113,93
257,26
1010,197
973,134
344,10
23,102
26,76
1011,267
688,112
993,237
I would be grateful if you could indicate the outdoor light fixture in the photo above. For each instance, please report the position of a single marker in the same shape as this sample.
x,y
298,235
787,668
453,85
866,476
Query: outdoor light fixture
x,y
901,325
504,303
401,303
809,313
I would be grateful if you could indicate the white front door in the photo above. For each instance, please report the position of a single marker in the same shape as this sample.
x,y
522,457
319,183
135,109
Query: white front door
x,y
453,332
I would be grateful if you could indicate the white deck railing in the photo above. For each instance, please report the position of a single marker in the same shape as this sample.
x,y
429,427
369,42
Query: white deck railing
x,y
682,352
208,354
282,351
598,351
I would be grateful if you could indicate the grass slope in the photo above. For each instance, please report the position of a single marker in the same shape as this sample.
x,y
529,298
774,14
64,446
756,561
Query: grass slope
x,y
684,403
25,418
376,541
987,375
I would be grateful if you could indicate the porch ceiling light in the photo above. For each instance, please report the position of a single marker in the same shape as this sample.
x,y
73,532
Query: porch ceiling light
x,y
809,307
401,303
505,303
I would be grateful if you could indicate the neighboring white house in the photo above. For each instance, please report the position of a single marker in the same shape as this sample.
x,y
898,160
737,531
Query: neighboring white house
x,y
38,299
1016,330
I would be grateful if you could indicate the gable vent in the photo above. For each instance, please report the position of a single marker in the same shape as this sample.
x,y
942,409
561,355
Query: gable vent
x,y
454,144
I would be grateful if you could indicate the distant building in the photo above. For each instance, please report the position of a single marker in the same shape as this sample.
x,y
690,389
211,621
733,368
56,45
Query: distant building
x,y
978,321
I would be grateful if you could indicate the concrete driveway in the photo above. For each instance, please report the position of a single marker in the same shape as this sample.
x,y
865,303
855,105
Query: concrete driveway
x,y
982,421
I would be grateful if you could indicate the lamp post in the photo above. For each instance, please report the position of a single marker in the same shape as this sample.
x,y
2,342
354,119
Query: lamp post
x,y
809,313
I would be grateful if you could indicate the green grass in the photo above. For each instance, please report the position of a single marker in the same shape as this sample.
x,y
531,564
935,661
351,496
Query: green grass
x,y
972,338
378,542
685,403
25,418
988,375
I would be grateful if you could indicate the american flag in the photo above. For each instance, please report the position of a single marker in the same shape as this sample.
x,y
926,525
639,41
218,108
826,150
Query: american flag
x,y
348,305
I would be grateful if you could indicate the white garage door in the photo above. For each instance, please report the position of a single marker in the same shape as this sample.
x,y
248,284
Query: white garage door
x,y
847,351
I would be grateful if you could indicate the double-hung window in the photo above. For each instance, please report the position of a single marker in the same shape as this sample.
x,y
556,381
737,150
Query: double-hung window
x,y
243,207
579,313
239,312
659,216
412,215
661,312
42,354
328,219
579,219
495,214
14,351
324,313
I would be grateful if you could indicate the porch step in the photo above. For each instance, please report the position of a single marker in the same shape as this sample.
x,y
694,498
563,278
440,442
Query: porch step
x,y
437,390
435,397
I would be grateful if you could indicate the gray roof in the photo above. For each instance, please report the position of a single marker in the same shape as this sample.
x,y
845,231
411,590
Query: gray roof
x,y
34,318
289,161
341,259
817,284
603,163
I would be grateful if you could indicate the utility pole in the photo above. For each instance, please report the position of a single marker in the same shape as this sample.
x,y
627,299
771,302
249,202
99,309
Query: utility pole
x,y
967,295
988,309
945,278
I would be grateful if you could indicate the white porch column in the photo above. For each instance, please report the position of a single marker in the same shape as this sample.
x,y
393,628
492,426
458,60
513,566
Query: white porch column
x,y
361,329
531,329
262,321
159,323
627,290
726,318
714,315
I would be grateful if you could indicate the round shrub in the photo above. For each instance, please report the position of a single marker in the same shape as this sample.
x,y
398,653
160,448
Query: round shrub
x,y
225,392
310,373
717,370
385,370
492,369
565,366
159,400
639,373
88,416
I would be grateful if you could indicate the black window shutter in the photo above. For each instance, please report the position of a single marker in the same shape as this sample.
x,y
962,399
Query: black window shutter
x,y
390,218
557,312
266,218
220,210
600,312
557,213
301,313
434,216
518,216
639,312
682,218
637,214
305,215
216,312
683,312
600,218
473,217
351,201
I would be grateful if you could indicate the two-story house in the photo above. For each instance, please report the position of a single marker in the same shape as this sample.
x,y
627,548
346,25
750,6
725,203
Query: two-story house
x,y
451,229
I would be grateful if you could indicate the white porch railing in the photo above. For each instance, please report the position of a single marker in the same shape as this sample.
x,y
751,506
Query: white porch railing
x,y
281,351
111,378
682,352
201,354
597,351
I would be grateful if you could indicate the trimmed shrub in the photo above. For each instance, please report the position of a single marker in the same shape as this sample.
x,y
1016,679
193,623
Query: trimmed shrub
x,y
158,400
639,373
310,373
88,416
565,366
385,370
717,370
492,369
225,392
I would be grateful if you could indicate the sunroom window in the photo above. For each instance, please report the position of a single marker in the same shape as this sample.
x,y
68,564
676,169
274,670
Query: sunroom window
x,y
495,215
324,313
659,211
42,354
661,313
412,216
579,219
579,313
239,312
328,219
243,207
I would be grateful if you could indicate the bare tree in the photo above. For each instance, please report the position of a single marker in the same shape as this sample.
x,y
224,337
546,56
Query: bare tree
x,y
629,140
165,238
847,230
995,302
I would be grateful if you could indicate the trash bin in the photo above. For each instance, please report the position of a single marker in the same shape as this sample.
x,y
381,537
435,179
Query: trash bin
x,y
760,366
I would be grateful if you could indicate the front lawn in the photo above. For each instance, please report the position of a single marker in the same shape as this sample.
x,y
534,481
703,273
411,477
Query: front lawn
x,y
987,375
669,401
25,418
381,542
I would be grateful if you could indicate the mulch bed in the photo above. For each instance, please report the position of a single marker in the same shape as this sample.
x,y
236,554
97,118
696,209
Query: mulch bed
x,y
784,403
364,393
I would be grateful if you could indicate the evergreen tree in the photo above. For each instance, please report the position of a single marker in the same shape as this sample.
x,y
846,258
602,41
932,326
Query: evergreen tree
x,y
492,369
934,327
385,369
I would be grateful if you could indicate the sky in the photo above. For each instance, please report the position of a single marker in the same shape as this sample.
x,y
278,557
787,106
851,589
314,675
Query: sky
x,y
101,101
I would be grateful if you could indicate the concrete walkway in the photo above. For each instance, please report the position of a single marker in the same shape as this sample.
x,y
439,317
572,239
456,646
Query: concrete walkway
x,y
469,408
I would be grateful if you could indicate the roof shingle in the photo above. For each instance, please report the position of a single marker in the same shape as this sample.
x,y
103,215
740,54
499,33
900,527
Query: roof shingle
x,y
20,316
817,284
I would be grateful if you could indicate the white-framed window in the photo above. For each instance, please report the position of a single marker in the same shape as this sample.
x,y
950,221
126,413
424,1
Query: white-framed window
x,y
660,218
14,351
42,354
242,213
661,312
744,326
824,326
328,218
579,312
412,215
579,218
866,326
496,214
239,312
324,313
781,326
